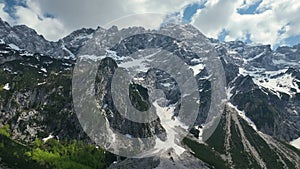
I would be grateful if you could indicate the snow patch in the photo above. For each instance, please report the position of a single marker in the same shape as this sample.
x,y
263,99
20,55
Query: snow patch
x,y
232,52
4,51
284,62
256,57
228,92
7,69
293,50
71,55
172,125
274,81
48,138
167,84
6,86
13,46
197,68
44,70
66,64
41,83
31,65
282,84
89,36
296,143
91,57
196,60
138,79
128,135
113,55
138,64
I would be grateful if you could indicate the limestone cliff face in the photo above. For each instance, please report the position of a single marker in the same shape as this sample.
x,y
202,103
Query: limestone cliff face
x,y
36,94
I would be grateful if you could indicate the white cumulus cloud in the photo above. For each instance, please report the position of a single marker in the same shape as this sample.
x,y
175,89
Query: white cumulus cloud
x,y
33,17
70,15
272,22
75,14
3,14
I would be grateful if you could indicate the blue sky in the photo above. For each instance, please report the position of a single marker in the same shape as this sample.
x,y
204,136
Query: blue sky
x,y
190,10
252,21
251,9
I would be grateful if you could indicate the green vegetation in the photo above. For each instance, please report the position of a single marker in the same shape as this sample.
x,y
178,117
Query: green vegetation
x,y
139,97
69,155
52,154
5,130
212,151
12,154
1,87
240,157
268,155
206,153
217,139
25,77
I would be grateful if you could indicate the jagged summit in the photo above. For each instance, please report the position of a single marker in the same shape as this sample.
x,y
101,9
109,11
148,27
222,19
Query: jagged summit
x,y
262,90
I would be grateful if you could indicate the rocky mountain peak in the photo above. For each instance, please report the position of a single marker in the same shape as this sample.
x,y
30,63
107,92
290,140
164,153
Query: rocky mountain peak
x,y
4,27
263,92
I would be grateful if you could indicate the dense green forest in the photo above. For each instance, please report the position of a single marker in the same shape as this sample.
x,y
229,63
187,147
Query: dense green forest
x,y
58,154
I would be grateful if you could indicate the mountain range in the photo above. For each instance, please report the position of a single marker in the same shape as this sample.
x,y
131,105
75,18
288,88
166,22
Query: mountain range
x,y
259,120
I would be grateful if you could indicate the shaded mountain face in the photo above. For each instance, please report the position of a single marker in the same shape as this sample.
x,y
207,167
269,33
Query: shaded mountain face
x,y
262,87
266,90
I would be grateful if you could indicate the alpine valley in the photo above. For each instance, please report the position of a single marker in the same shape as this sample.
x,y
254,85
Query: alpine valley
x,y
259,126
